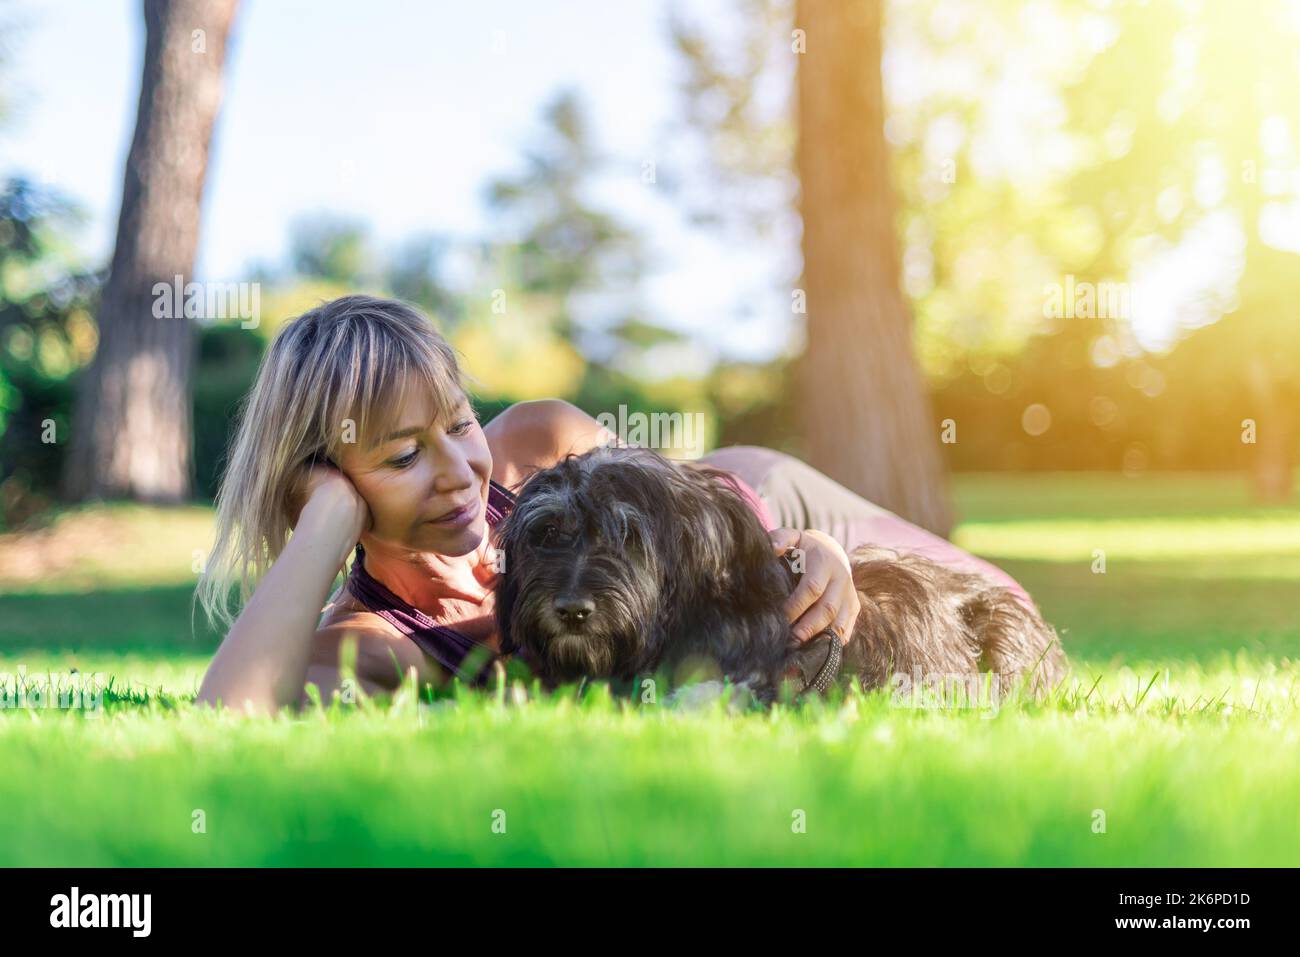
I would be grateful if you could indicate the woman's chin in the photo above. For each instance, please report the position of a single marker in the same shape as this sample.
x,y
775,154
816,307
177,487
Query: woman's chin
x,y
457,542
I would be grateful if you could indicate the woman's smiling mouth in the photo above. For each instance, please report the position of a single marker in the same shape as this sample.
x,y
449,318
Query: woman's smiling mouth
x,y
459,517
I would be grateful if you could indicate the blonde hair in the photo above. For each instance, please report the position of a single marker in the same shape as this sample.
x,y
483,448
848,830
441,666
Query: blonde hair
x,y
334,375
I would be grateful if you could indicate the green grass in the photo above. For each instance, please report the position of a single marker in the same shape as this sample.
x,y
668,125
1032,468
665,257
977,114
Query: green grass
x,y
1180,727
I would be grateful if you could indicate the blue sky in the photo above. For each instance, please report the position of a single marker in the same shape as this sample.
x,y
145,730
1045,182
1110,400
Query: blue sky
x,y
396,112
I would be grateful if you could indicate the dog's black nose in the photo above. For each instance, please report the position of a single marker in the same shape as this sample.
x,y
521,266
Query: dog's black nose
x,y
573,609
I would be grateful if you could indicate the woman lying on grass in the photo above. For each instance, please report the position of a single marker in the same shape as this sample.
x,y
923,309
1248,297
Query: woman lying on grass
x,y
359,437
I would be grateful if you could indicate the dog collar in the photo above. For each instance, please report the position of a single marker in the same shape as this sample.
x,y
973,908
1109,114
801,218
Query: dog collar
x,y
831,669
825,676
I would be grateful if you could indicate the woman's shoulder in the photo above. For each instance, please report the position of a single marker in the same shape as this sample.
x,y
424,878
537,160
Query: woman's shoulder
x,y
535,434
380,645
345,612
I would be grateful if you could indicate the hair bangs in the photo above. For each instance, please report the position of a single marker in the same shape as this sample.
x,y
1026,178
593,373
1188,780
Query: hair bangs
x,y
389,371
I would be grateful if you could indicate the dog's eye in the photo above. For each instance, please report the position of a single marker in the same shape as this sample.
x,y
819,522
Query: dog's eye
x,y
547,534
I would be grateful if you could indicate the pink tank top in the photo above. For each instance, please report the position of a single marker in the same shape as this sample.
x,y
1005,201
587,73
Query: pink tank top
x,y
752,500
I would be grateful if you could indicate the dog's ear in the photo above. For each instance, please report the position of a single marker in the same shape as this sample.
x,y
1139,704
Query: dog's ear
x,y
733,577
509,533
506,593
746,555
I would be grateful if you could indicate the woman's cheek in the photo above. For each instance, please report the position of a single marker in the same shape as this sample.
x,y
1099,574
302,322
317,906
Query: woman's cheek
x,y
405,495
385,496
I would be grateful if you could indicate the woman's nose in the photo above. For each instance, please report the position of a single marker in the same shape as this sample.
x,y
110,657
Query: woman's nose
x,y
452,472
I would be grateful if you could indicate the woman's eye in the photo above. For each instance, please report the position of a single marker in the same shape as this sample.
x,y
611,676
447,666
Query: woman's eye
x,y
460,428
402,461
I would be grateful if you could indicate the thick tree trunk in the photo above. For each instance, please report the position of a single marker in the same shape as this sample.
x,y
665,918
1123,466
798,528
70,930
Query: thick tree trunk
x,y
131,424
864,409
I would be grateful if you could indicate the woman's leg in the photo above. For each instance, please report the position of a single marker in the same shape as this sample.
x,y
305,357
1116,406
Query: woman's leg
x,y
798,496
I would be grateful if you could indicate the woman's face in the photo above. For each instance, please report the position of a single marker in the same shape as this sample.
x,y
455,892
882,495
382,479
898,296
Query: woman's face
x,y
421,471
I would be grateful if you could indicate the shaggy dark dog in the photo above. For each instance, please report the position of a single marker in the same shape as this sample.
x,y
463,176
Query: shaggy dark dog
x,y
619,564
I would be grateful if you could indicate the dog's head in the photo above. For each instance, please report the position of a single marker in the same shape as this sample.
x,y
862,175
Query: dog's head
x,y
618,556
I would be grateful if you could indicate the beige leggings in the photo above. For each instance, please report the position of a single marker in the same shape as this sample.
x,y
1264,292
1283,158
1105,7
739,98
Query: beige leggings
x,y
798,496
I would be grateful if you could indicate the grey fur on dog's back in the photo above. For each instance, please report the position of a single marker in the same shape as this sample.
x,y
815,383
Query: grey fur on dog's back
x,y
921,617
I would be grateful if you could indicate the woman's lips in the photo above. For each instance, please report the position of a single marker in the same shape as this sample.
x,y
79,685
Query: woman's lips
x,y
462,516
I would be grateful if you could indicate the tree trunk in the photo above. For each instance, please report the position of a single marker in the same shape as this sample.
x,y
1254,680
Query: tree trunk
x,y
131,423
865,413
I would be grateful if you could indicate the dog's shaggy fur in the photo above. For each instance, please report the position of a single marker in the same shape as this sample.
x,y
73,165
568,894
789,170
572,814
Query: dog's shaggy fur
x,y
619,563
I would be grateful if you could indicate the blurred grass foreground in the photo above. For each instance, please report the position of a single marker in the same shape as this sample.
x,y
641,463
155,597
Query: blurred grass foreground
x,y
1175,745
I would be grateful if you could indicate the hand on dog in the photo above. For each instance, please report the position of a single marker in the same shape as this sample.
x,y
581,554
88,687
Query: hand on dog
x,y
825,596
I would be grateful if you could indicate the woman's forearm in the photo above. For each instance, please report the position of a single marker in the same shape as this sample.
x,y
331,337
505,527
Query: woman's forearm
x,y
263,662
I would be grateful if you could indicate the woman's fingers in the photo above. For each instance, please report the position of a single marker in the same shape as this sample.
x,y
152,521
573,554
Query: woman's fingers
x,y
308,478
812,581
836,603
836,609
825,596
848,615
811,606
816,620
783,538
326,480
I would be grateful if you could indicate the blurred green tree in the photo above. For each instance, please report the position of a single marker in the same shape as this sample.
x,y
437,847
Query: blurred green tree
x,y
1190,114
332,247
571,270
566,244
46,333
415,274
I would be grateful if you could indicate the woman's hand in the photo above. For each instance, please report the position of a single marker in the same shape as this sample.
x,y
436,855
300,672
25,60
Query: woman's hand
x,y
323,492
267,658
825,597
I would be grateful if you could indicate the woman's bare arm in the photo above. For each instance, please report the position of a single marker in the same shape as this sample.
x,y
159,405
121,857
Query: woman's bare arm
x,y
536,434
381,661
262,664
